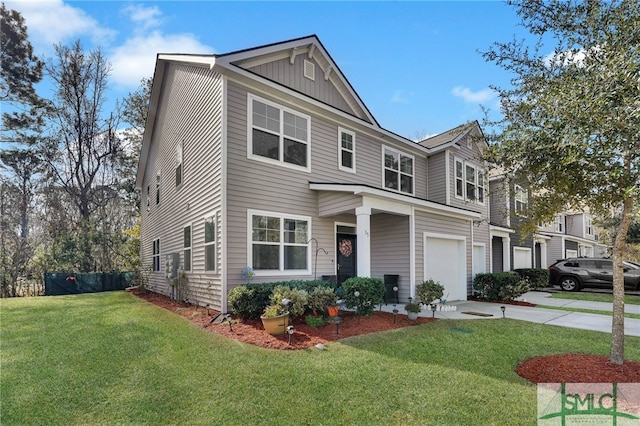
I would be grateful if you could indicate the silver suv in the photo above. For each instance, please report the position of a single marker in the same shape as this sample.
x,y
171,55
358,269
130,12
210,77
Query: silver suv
x,y
578,272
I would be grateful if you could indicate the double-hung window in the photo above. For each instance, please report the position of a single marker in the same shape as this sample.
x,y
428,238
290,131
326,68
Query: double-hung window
x,y
398,171
346,150
279,242
521,199
179,162
186,244
589,226
158,188
155,254
558,224
210,243
278,134
470,183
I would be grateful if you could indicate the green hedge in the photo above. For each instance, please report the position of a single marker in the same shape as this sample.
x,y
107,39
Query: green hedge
x,y
370,293
248,301
500,286
536,277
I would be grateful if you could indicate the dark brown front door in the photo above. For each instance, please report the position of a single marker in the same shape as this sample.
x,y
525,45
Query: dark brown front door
x,y
346,255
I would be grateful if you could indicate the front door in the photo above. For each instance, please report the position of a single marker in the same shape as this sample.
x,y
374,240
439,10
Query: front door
x,y
346,255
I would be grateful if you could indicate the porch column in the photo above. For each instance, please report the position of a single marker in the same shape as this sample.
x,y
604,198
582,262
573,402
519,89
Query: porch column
x,y
363,231
506,253
543,255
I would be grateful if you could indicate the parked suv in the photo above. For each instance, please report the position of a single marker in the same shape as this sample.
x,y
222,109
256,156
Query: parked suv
x,y
575,273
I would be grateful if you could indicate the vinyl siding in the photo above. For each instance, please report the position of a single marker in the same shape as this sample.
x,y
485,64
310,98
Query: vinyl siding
x,y
390,250
437,178
498,202
292,76
190,111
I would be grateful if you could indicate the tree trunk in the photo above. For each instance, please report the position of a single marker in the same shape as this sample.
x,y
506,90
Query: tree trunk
x,y
617,330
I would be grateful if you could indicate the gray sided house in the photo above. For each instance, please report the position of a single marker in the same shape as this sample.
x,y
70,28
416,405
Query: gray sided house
x,y
570,234
267,158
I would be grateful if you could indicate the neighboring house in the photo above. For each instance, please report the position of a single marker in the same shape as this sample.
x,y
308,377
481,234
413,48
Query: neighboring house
x,y
571,234
267,158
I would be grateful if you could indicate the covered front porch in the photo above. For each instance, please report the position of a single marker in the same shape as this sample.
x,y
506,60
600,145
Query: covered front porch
x,y
394,234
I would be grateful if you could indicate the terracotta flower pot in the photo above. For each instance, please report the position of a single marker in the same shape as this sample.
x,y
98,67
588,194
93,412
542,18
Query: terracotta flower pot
x,y
276,325
333,311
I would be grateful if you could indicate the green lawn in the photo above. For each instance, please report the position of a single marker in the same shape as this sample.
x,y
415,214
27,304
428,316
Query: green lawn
x,y
111,358
595,297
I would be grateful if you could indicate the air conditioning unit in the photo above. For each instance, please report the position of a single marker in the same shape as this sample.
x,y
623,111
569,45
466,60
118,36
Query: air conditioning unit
x,y
171,264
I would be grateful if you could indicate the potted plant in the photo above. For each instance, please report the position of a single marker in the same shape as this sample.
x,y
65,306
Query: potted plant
x,y
413,309
275,318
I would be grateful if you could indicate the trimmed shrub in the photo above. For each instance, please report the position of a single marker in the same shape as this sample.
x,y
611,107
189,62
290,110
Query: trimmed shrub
x,y
429,290
297,299
321,298
536,277
370,293
500,286
249,300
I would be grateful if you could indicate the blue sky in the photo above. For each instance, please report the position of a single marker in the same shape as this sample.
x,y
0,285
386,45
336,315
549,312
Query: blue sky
x,y
415,64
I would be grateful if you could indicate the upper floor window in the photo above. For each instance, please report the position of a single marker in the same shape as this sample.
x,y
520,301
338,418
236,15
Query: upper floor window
x,y
588,226
521,199
158,188
278,134
186,244
398,171
210,243
558,224
279,242
179,167
155,255
148,197
346,150
470,182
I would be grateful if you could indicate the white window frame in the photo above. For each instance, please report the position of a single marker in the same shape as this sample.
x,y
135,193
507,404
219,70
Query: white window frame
x,y
342,149
155,255
179,169
281,271
213,219
188,249
458,179
158,184
558,223
399,154
148,198
588,225
520,196
281,136
479,182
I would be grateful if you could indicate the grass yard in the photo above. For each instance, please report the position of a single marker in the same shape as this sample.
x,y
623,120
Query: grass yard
x,y
595,297
111,358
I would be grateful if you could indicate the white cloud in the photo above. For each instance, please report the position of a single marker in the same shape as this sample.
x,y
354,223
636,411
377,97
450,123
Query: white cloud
x,y
145,18
136,58
52,21
470,96
401,97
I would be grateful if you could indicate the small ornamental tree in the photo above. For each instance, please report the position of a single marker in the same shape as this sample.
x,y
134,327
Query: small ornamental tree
x,y
571,127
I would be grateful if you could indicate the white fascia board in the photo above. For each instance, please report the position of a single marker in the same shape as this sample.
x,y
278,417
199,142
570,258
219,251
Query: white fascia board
x,y
201,60
497,228
417,203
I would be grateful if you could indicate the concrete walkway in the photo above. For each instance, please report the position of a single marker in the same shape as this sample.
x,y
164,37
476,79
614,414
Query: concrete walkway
x,y
586,321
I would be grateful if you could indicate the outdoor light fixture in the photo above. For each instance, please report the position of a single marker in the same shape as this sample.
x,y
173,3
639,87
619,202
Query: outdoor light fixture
x,y
502,308
395,289
433,310
290,332
337,321
395,313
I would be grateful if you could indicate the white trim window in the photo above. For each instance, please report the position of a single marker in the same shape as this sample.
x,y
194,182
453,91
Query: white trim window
x,y
470,182
155,255
346,150
521,199
459,177
148,198
398,171
589,226
158,181
186,247
558,224
210,243
278,243
179,163
278,135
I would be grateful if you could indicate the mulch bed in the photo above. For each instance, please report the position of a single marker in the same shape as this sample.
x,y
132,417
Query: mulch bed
x,y
503,302
567,368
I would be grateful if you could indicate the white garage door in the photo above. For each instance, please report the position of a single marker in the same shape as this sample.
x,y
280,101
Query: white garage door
x,y
445,261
